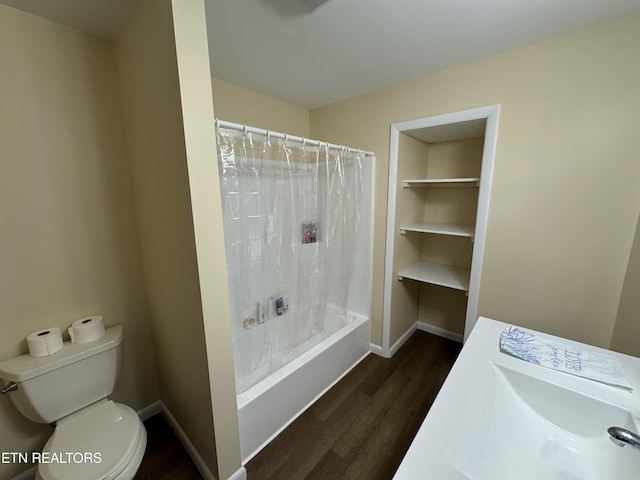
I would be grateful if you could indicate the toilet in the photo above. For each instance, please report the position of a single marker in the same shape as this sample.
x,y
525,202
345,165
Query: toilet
x,y
94,438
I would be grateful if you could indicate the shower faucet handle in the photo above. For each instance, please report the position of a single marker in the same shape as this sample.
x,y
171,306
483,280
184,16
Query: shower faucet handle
x,y
11,386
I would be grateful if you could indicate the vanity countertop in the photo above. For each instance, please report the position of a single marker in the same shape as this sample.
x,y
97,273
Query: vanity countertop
x,y
497,417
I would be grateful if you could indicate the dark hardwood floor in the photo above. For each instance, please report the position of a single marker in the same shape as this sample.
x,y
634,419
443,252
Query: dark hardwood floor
x,y
165,457
363,426
360,429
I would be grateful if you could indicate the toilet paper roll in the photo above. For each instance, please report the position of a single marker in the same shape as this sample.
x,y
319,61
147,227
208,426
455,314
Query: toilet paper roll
x,y
85,330
44,342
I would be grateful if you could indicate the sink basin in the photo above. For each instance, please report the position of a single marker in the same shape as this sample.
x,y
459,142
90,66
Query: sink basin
x,y
500,418
531,429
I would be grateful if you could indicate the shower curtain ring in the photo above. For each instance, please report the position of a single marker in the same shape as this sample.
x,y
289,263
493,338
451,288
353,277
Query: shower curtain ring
x,y
246,130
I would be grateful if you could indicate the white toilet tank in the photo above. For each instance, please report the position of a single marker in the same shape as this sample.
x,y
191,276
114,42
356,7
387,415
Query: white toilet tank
x,y
57,385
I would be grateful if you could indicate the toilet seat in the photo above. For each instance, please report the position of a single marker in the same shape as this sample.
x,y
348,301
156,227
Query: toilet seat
x,y
109,437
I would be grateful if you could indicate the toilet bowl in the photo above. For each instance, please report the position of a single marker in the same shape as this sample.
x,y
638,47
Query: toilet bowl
x,y
107,440
94,438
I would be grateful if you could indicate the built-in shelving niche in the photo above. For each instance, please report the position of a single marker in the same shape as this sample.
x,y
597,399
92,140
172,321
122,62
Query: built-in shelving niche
x,y
440,177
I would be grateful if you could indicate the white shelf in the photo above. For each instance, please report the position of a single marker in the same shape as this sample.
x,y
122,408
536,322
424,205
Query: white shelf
x,y
455,229
441,182
437,274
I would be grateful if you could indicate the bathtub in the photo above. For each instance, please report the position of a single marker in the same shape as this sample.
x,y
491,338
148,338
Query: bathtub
x,y
265,409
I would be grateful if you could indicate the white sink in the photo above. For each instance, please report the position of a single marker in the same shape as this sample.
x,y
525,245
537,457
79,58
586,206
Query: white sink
x,y
499,418
533,430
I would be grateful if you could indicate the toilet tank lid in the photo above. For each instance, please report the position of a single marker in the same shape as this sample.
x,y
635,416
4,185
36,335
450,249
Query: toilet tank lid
x,y
25,367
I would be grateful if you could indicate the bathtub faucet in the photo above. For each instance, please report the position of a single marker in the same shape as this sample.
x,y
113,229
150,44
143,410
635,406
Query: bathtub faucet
x,y
622,437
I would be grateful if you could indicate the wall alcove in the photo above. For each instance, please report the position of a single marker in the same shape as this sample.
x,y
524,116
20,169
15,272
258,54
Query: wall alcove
x,y
440,171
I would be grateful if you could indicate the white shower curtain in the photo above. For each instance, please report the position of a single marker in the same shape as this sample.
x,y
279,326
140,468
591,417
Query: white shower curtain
x,y
291,226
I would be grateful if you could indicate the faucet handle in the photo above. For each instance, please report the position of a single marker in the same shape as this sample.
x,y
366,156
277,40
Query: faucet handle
x,y
11,386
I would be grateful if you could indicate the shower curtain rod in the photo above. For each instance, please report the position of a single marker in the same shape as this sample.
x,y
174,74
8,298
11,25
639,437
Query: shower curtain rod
x,y
286,137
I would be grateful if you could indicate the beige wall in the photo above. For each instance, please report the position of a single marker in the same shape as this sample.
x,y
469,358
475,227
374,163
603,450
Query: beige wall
x,y
626,335
200,141
443,307
146,58
564,204
408,248
68,237
240,105
565,195
72,241
162,56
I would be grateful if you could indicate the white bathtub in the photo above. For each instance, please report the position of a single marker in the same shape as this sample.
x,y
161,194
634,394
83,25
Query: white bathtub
x,y
265,409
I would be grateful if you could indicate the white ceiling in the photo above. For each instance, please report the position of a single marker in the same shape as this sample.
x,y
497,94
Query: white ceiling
x,y
288,50
348,47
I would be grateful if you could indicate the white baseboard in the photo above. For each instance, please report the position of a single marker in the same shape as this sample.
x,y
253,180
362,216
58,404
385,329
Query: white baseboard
x,y
186,443
396,346
425,327
239,475
376,350
441,332
146,413
150,410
